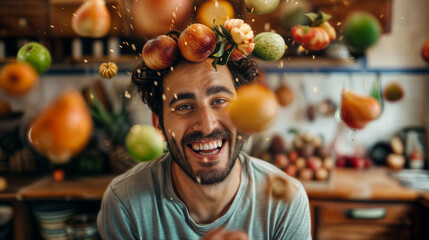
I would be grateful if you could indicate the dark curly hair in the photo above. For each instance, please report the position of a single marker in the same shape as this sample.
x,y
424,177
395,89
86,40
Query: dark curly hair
x,y
149,83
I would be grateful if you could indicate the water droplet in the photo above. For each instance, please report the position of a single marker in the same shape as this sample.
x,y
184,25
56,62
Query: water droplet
x,y
163,97
198,179
351,133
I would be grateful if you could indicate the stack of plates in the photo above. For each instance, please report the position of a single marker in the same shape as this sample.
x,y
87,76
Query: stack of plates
x,y
52,219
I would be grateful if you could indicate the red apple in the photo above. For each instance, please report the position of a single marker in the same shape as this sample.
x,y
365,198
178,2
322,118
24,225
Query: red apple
x,y
314,162
322,174
280,160
306,174
425,51
291,170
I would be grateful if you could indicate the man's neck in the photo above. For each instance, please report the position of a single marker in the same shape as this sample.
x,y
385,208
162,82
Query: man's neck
x,y
206,203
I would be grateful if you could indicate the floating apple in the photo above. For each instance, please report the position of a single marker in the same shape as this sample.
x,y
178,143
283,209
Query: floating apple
x,y
144,143
36,55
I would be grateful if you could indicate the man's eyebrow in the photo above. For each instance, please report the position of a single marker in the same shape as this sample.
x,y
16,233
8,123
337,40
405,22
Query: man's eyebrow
x,y
217,89
181,96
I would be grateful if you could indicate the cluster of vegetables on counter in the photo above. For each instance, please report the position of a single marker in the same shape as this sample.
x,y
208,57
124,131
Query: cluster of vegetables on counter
x,y
305,158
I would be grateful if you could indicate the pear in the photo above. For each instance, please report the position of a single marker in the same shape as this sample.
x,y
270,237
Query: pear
x,y
63,129
91,19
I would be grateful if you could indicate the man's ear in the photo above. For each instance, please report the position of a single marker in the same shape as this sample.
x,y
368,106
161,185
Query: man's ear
x,y
156,125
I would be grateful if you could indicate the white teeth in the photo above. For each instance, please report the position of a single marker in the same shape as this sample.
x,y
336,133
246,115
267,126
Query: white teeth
x,y
207,146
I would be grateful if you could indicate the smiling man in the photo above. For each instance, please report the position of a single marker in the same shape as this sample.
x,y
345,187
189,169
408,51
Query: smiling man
x,y
204,187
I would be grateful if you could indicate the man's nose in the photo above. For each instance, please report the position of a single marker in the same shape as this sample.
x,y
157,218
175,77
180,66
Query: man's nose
x,y
206,120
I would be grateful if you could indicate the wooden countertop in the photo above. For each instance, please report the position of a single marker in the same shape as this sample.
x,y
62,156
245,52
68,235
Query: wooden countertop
x,y
82,187
345,184
368,184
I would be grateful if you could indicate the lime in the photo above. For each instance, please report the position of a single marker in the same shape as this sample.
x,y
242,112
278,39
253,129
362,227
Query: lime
x,y
144,143
269,46
36,55
361,30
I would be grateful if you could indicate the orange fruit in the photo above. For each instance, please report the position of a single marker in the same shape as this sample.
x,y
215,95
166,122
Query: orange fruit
x,y
63,129
17,78
221,10
254,109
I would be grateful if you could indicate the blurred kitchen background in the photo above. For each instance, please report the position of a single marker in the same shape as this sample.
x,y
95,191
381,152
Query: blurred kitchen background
x,y
373,184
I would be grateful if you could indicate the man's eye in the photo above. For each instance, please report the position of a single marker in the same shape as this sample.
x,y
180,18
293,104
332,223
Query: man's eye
x,y
183,107
219,101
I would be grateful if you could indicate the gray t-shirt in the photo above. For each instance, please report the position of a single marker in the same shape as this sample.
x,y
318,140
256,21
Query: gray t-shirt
x,y
141,204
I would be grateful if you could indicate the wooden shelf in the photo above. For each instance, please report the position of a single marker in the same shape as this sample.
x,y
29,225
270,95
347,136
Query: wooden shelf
x,y
82,188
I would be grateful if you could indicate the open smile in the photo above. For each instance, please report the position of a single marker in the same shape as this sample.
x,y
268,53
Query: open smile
x,y
208,150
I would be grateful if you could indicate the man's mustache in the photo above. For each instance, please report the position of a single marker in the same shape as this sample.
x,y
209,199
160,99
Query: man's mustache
x,y
199,136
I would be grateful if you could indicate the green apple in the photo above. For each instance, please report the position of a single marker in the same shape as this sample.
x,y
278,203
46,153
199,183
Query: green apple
x,y
144,143
36,55
361,31
269,46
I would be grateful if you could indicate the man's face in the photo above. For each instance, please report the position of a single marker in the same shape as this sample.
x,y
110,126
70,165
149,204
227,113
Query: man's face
x,y
202,139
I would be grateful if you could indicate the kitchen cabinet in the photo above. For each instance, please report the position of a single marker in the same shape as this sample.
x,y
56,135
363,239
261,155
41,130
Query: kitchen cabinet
x,y
365,220
365,204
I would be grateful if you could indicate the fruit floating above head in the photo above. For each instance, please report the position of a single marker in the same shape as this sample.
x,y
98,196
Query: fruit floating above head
x,y
361,31
108,70
269,46
221,10
144,143
254,109
17,78
63,129
316,36
91,19
36,55
262,6
152,18
357,111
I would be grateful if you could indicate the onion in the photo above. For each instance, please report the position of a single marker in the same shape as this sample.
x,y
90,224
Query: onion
x,y
197,42
160,52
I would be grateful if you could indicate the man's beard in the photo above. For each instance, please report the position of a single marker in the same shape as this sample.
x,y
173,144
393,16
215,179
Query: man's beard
x,y
206,176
